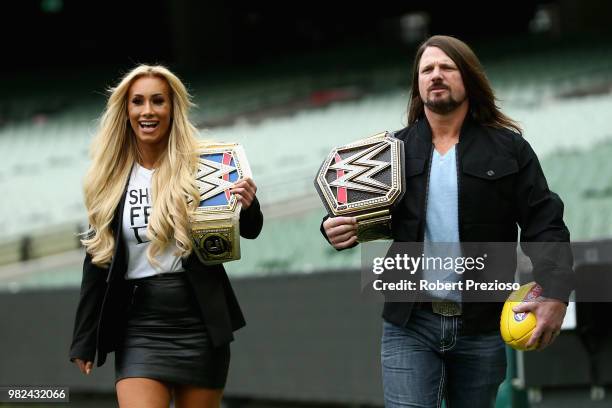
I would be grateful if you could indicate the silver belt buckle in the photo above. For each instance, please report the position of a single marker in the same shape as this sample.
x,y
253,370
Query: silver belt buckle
x,y
446,308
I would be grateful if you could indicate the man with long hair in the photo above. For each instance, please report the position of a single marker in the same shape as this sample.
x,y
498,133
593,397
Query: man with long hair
x,y
470,177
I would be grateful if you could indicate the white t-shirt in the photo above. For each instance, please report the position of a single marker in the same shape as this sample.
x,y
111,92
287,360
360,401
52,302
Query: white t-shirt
x,y
136,215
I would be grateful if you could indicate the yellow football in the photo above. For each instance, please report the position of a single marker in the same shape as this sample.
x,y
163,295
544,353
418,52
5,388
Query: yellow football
x,y
516,328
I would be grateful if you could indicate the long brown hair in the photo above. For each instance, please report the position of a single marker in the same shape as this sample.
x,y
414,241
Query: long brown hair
x,y
483,107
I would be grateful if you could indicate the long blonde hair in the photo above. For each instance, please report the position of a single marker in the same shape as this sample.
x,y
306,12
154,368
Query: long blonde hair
x,y
114,152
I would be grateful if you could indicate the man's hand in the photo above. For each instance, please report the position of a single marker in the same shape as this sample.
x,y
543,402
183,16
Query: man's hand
x,y
341,231
84,366
244,190
549,315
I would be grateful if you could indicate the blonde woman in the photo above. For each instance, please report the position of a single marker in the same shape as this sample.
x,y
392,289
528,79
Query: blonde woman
x,y
144,294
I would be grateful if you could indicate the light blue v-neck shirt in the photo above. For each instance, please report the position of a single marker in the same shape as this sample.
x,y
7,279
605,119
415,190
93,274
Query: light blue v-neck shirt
x,y
442,219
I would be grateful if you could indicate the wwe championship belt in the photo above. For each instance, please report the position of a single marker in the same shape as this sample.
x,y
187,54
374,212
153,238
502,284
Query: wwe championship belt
x,y
215,230
364,180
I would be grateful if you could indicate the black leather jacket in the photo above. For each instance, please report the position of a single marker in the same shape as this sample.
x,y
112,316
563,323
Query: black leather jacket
x,y
501,187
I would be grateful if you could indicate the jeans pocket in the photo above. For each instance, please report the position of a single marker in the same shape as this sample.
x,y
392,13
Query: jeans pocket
x,y
391,342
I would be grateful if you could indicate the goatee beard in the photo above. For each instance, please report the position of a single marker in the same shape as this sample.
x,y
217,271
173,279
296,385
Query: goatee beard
x,y
443,107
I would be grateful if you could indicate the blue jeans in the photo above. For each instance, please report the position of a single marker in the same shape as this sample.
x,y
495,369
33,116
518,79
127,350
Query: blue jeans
x,y
427,362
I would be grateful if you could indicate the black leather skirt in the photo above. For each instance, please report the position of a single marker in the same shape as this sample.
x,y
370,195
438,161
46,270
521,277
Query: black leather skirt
x,y
165,337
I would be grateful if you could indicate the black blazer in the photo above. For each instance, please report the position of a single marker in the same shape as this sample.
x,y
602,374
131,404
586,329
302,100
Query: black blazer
x,y
100,317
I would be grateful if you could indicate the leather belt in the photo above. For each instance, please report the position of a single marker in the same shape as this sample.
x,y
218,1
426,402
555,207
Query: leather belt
x,y
441,307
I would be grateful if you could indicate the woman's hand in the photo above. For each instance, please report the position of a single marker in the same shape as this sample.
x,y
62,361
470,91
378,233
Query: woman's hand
x,y
84,366
245,190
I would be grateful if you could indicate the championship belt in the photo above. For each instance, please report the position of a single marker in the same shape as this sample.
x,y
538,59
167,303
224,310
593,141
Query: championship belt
x,y
364,180
215,228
